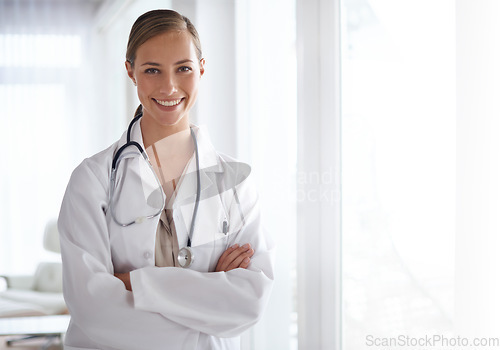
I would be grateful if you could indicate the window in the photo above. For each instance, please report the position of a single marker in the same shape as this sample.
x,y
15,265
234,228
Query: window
x,y
398,169
48,118
37,50
34,100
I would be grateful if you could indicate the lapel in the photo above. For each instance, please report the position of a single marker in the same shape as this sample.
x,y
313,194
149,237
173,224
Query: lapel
x,y
210,165
210,205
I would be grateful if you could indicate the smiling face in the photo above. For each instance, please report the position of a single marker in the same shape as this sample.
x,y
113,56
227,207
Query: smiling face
x,y
167,72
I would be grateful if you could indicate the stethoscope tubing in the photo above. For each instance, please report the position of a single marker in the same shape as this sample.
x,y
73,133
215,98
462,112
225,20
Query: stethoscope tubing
x,y
198,189
143,153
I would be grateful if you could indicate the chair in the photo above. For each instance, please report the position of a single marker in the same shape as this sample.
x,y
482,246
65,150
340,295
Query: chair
x,y
41,293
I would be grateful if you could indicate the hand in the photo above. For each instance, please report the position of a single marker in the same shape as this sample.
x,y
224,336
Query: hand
x,y
235,257
125,278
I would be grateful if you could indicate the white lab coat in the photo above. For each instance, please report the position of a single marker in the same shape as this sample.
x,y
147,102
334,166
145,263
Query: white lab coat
x,y
169,308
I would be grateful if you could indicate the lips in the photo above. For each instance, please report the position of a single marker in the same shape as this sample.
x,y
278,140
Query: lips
x,y
168,103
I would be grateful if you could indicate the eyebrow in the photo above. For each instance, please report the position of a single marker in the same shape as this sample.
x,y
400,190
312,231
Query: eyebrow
x,y
184,61
158,64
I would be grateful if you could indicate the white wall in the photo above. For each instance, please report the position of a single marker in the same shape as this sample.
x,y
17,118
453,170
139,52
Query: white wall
x,y
318,165
266,124
216,106
478,168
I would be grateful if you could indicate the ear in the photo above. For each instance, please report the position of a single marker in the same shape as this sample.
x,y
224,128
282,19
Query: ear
x,y
130,71
202,67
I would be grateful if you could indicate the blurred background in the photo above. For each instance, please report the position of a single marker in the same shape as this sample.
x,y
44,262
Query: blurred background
x,y
372,127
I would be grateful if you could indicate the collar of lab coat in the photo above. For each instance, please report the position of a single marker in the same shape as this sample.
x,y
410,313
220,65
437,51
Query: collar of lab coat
x,y
209,160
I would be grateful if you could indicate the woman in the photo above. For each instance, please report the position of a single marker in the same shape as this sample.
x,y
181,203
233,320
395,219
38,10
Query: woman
x,y
162,249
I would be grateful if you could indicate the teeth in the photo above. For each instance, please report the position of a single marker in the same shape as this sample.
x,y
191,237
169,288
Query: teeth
x,y
169,103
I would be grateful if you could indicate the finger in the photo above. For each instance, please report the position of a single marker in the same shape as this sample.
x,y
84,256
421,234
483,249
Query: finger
x,y
237,252
125,278
244,264
233,255
220,262
236,262
239,260
228,256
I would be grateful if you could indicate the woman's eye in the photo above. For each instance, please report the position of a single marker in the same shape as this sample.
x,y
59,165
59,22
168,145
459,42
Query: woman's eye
x,y
185,69
152,71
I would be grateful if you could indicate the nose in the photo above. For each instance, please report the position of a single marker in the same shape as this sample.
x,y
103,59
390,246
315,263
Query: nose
x,y
168,84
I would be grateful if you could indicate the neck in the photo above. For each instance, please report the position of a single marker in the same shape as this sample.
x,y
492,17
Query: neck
x,y
177,135
169,150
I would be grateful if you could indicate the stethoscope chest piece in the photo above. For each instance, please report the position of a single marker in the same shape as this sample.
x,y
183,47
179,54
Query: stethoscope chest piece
x,y
185,257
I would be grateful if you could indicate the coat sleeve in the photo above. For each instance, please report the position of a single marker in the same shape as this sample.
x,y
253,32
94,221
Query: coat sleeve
x,y
98,302
223,304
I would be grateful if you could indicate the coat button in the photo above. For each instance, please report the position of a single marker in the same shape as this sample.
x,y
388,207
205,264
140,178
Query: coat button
x,y
148,254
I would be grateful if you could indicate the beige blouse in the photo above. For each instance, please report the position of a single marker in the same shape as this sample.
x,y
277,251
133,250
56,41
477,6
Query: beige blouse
x,y
167,246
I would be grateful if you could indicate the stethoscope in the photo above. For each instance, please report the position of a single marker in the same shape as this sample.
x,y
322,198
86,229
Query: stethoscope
x,y
185,256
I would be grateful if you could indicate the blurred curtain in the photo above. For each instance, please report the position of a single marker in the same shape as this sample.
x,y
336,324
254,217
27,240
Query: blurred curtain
x,y
47,117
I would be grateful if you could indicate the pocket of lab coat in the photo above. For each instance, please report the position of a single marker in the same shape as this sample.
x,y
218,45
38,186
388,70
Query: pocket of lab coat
x,y
132,247
209,240
209,220
207,255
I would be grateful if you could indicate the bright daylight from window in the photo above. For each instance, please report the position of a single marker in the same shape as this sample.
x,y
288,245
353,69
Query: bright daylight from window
x,y
398,168
37,98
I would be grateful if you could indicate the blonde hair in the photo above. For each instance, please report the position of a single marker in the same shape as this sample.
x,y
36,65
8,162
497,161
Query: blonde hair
x,y
157,22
